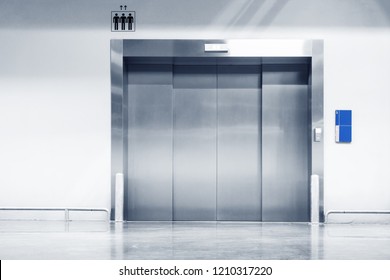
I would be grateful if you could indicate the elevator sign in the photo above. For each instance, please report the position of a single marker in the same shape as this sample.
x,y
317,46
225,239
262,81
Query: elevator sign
x,y
122,20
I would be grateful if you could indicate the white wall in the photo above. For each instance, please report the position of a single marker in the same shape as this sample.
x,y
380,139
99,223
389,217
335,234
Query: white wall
x,y
54,119
55,89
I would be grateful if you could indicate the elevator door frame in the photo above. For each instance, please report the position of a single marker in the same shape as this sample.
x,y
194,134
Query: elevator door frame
x,y
266,50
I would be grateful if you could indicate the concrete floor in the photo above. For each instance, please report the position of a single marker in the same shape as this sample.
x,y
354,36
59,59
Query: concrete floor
x,y
192,240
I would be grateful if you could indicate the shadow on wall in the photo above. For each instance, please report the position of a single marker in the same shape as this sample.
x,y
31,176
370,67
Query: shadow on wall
x,y
251,13
384,6
178,14
285,13
273,12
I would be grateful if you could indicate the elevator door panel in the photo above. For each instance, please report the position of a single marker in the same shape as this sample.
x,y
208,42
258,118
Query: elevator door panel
x,y
285,144
239,147
194,143
150,142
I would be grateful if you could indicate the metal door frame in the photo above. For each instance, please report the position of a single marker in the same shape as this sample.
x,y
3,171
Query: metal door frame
x,y
264,49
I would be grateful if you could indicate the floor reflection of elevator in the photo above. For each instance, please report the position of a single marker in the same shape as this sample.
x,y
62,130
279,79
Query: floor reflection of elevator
x,y
218,139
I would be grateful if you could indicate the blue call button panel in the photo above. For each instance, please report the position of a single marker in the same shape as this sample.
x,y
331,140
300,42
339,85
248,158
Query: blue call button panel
x,y
343,126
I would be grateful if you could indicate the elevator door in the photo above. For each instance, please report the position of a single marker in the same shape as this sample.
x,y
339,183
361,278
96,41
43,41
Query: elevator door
x,y
286,143
239,143
218,140
149,142
194,142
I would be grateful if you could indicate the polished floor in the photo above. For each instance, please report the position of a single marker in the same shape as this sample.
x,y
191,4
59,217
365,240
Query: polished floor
x,y
192,240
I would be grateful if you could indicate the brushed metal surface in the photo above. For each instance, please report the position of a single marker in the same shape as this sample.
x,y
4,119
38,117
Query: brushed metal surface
x,y
239,143
117,129
286,74
285,148
237,48
194,145
150,142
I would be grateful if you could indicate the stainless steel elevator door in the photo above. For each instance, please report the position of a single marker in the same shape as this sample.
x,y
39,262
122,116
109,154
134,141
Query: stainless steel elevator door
x,y
213,139
150,142
194,143
285,143
239,143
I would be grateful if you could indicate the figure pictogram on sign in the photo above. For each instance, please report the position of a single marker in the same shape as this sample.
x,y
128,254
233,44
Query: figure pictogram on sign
x,y
116,21
130,21
122,21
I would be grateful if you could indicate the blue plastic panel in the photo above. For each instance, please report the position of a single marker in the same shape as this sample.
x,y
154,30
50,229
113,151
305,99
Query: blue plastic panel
x,y
345,135
345,117
343,126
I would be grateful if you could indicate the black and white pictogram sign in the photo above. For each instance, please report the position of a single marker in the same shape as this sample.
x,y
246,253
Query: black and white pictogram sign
x,y
123,21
